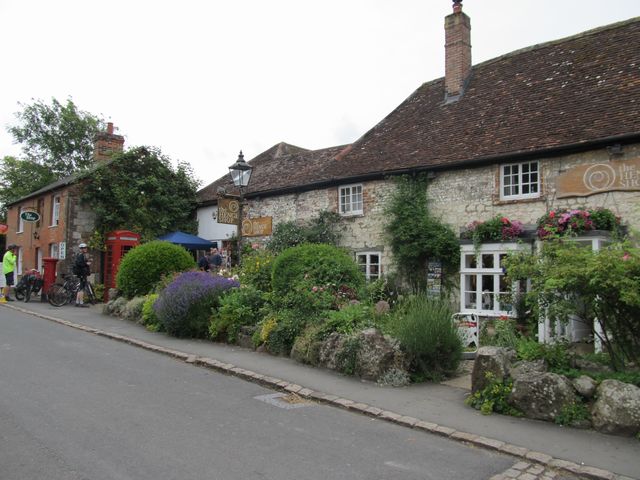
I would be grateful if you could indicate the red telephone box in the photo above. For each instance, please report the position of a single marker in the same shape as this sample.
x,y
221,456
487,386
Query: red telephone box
x,y
118,243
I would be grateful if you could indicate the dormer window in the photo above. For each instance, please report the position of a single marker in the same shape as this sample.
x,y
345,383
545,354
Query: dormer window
x,y
519,181
351,200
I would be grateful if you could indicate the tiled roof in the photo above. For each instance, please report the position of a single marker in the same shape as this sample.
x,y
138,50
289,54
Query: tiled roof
x,y
576,90
571,92
282,167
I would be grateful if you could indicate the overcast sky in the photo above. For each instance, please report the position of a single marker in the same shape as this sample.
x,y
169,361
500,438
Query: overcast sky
x,y
202,79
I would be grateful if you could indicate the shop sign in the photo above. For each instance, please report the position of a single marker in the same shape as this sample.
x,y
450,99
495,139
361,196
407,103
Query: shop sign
x,y
30,216
228,211
257,227
585,180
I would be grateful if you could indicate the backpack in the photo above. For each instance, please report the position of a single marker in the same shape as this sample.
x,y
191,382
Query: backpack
x,y
78,267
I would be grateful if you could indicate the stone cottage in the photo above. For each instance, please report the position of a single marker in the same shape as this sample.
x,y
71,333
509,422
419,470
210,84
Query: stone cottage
x,y
555,125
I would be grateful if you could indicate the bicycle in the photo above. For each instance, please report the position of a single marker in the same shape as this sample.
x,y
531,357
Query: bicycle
x,y
62,294
30,283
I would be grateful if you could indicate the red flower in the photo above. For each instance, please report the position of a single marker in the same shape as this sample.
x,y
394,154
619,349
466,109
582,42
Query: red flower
x,y
505,220
552,214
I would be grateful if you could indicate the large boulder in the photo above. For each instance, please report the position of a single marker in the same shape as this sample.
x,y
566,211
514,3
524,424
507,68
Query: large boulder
x,y
585,386
525,368
542,395
617,408
330,349
494,360
377,354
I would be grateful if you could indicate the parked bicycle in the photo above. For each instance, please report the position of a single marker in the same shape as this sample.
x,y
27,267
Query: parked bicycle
x,y
62,294
30,284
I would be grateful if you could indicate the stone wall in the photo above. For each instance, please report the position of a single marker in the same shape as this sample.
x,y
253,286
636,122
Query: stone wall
x,y
457,197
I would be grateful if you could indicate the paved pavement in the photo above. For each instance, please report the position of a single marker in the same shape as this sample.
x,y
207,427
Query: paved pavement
x,y
541,450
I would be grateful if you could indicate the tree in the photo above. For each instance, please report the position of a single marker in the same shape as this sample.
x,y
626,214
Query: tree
x,y
603,285
139,190
19,178
59,137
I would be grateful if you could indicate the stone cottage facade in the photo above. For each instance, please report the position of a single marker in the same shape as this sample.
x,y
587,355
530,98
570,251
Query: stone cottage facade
x,y
551,126
64,221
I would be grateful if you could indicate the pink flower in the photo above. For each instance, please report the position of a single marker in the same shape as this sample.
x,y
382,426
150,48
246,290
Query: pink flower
x,y
314,289
505,220
552,214
626,257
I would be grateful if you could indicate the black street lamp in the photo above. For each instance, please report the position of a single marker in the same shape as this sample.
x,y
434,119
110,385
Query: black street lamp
x,y
240,174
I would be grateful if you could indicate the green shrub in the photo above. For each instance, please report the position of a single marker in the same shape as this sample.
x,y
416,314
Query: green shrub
x,y
306,347
184,307
323,266
143,266
424,328
493,397
348,320
133,309
149,318
256,269
506,334
98,291
285,326
572,414
239,307
555,355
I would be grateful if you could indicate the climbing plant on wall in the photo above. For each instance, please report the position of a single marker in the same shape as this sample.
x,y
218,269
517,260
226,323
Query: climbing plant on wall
x,y
416,236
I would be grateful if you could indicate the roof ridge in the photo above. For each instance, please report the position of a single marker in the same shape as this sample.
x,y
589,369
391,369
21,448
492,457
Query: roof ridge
x,y
586,33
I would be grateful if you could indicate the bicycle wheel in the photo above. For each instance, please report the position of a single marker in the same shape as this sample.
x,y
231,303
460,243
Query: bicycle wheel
x,y
58,295
27,293
89,294
18,293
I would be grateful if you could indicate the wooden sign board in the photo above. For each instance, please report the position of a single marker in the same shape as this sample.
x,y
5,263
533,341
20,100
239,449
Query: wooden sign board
x,y
585,180
228,211
257,227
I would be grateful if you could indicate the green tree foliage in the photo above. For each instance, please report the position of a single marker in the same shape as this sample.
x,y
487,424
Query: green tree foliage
x,y
144,266
603,285
415,235
19,178
58,136
140,190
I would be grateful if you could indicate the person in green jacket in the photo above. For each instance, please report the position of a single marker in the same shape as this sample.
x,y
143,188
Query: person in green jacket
x,y
8,268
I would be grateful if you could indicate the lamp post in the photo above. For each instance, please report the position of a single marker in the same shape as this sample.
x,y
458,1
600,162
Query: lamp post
x,y
240,174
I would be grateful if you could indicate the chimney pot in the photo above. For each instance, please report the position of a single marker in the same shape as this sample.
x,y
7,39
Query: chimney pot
x,y
110,128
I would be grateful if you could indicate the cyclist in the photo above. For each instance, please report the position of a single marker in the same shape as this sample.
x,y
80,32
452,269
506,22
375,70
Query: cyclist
x,y
82,269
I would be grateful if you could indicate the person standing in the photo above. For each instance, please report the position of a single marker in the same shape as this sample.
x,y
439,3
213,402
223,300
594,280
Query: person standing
x,y
82,269
8,269
215,259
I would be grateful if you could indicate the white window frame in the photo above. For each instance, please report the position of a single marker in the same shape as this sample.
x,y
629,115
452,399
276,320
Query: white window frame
x,y
473,299
351,199
20,220
371,270
55,210
519,180
54,251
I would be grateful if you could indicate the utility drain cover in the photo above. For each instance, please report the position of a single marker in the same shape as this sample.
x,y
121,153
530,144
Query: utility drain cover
x,y
287,401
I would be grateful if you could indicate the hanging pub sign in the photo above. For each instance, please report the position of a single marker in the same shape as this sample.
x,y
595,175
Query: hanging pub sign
x,y
228,211
30,216
257,227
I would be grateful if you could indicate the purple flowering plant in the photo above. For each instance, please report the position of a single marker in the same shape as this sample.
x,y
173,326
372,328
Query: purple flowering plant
x,y
185,305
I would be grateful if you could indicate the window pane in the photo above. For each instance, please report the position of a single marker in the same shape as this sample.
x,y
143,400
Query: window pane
x,y
470,261
487,260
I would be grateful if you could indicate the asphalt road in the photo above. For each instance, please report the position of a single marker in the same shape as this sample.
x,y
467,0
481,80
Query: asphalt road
x,y
78,406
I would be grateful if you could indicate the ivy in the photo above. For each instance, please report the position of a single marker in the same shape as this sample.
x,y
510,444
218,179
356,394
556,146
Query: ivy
x,y
415,235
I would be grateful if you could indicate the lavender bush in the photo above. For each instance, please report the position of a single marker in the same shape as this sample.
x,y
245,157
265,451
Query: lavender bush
x,y
184,306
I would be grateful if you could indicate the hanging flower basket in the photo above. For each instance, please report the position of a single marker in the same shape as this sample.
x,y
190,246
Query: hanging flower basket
x,y
562,222
497,229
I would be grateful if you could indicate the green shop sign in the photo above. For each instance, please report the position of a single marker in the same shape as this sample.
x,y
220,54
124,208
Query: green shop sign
x,y
30,216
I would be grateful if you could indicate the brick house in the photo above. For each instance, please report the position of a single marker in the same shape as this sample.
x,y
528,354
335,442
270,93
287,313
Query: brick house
x,y
64,221
549,126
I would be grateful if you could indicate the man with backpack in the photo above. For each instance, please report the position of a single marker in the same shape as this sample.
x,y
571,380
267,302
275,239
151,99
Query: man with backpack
x,y
82,269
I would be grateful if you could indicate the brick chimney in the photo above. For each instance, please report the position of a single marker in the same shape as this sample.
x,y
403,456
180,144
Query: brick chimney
x,y
106,144
457,29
